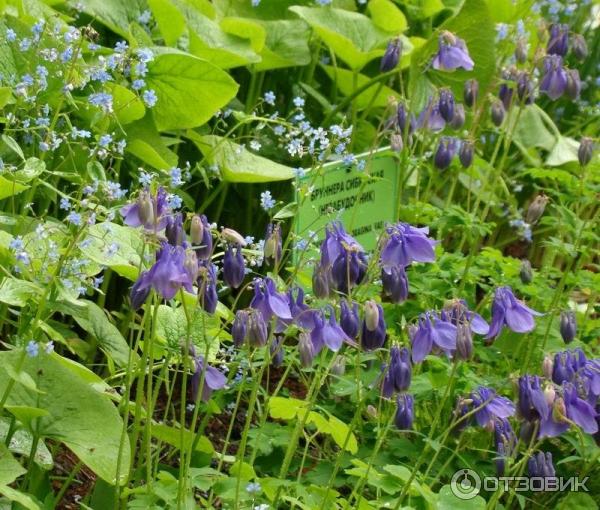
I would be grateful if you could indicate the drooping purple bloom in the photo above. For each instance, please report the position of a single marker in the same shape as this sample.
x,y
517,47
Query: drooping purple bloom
x,y
398,375
373,331
573,84
445,152
349,320
269,301
207,286
566,365
574,408
174,229
213,378
458,313
306,349
505,441
430,117
452,53
394,283
568,326
532,404
239,328
554,81
405,412
540,465
407,244
391,56
276,349
149,211
327,332
343,259
302,314
525,88
234,266
558,42
471,92
166,276
432,331
258,329
507,310
490,406
505,93
201,237
446,104
403,120
466,152
458,120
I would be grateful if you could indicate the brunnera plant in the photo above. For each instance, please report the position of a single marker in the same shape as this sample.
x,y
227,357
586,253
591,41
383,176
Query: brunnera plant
x,y
170,339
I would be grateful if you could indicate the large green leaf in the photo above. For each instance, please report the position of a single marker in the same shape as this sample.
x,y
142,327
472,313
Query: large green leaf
x,y
387,16
17,292
115,246
10,469
352,36
93,320
170,21
85,420
21,443
208,41
8,188
286,45
190,90
473,23
375,96
145,142
115,14
238,164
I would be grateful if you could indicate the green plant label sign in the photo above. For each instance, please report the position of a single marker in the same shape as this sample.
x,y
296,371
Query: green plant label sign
x,y
364,199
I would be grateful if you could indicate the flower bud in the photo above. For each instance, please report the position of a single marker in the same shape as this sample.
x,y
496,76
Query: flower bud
x,y
174,230
536,209
445,152
405,412
339,365
464,341
580,49
526,272
446,104
521,51
306,349
471,92
525,88
392,55
549,394
558,41
196,230
146,209
497,112
372,411
233,237
568,326
320,282
548,367
573,87
349,320
234,267
458,120
239,328
394,283
505,93
396,142
371,315
273,243
257,329
465,155
585,151
190,264
559,410
276,349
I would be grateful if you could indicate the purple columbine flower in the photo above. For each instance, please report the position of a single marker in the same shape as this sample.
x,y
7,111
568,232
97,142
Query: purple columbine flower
x,y
505,93
430,117
327,332
306,349
392,55
373,331
525,88
239,328
398,375
540,465
343,259
532,404
491,406
554,81
269,301
207,286
458,312
566,365
258,329
148,211
213,378
572,407
349,320
573,84
234,266
407,244
394,284
405,412
432,330
174,229
276,350
166,276
302,314
505,440
446,104
452,53
201,237
445,152
508,310
558,42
